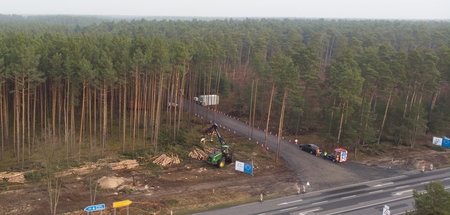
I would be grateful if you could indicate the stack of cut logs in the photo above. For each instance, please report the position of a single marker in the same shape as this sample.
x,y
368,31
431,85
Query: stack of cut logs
x,y
165,160
198,154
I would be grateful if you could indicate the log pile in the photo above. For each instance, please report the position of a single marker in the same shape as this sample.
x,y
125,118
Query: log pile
x,y
125,164
13,177
83,170
165,160
198,154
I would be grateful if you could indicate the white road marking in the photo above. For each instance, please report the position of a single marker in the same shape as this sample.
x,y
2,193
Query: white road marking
x,y
318,203
380,185
376,191
288,209
305,212
262,214
401,187
445,179
370,205
348,197
285,203
401,192
425,182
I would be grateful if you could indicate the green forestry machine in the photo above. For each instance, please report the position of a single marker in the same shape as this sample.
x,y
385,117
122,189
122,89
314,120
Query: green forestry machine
x,y
219,157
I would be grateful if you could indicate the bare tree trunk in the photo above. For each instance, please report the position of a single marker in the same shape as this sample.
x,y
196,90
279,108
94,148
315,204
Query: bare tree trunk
x,y
89,104
415,122
175,100
105,115
95,117
145,92
158,112
280,128
254,106
81,122
72,122
384,118
23,121
136,83
111,110
268,114
340,124
2,123
54,96
17,119
432,104
5,117
250,114
124,118
120,114
406,106
66,120
332,116
180,112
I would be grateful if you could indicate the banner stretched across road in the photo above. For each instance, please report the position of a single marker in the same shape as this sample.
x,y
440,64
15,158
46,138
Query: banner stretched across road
x,y
243,167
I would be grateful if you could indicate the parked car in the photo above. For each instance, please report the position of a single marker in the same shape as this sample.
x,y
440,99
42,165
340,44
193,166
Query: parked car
x,y
310,148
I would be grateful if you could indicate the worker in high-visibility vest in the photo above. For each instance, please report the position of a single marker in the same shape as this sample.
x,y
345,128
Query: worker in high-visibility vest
x,y
317,152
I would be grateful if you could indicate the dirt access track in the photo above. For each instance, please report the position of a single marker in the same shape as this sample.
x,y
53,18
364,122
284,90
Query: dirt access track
x,y
320,173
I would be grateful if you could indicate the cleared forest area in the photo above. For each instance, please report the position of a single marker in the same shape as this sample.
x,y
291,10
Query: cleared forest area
x,y
83,89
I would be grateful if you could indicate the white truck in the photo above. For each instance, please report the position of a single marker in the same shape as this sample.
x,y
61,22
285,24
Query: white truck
x,y
206,100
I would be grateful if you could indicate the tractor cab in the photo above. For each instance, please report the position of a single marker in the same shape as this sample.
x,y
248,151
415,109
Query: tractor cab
x,y
225,149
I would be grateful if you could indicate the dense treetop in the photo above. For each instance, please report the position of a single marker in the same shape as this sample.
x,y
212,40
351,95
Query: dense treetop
x,y
357,82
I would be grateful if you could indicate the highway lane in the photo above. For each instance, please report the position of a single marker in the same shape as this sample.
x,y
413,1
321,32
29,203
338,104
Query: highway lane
x,y
358,199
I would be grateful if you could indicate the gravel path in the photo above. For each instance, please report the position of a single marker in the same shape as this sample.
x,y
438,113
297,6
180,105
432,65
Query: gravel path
x,y
321,174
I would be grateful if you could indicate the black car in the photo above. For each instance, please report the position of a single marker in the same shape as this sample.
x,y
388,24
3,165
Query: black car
x,y
310,148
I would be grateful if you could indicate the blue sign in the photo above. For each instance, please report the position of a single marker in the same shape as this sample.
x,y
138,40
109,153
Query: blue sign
x,y
344,156
248,169
446,142
95,208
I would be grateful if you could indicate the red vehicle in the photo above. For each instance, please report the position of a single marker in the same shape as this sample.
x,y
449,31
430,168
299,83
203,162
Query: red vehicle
x,y
339,155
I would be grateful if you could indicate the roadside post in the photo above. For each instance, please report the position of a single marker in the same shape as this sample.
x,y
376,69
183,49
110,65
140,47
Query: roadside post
x,y
252,166
431,167
261,198
298,189
125,203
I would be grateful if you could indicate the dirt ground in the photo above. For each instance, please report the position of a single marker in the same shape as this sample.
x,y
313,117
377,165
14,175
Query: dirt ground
x,y
392,156
194,185
389,155
188,187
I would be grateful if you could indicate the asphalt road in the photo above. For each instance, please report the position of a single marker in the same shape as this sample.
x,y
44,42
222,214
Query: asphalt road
x,y
357,199
322,174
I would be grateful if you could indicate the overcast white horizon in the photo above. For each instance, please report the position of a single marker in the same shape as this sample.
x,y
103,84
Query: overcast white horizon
x,y
350,9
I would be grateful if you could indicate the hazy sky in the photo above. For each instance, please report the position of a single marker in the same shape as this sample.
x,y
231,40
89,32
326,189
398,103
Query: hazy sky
x,y
381,9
